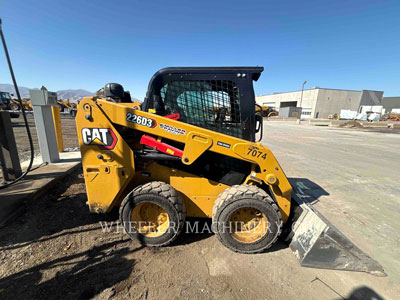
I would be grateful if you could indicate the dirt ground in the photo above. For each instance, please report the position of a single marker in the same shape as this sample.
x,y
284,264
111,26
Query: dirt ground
x,y
58,250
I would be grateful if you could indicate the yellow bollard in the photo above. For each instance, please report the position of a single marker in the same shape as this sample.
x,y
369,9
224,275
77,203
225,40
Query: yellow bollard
x,y
57,127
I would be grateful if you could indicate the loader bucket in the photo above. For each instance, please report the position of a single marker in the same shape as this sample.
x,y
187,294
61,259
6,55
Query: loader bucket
x,y
318,244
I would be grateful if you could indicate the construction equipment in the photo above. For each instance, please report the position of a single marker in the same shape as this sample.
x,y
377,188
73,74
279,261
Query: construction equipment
x,y
15,105
189,150
67,106
5,99
5,102
390,117
333,117
266,111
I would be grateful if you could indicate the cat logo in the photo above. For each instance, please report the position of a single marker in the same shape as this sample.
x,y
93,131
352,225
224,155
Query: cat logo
x,y
105,138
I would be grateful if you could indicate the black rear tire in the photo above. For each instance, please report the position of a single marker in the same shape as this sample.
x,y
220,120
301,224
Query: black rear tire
x,y
246,197
159,194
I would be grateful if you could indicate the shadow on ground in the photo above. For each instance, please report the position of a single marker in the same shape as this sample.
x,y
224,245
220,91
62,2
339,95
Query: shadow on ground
x,y
359,293
309,191
59,212
90,273
195,229
363,293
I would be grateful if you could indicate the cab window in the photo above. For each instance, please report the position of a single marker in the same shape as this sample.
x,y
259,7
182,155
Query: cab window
x,y
211,104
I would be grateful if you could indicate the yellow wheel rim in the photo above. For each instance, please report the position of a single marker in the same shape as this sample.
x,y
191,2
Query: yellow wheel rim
x,y
150,219
248,225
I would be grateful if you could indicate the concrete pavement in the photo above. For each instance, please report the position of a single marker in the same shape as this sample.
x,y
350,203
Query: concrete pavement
x,y
354,175
37,181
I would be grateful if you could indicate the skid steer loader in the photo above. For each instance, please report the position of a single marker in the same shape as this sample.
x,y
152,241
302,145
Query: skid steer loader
x,y
190,150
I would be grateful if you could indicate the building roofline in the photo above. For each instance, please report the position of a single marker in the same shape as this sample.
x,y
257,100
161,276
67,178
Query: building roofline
x,y
318,88
391,98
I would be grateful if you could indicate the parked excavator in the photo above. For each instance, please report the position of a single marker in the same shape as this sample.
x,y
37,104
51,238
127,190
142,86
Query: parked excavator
x,y
190,150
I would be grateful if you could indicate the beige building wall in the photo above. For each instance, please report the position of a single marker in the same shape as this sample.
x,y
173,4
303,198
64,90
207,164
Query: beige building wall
x,y
308,101
332,101
309,98
322,102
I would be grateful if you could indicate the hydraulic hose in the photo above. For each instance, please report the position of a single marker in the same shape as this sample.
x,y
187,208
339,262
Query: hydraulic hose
x,y
261,119
28,131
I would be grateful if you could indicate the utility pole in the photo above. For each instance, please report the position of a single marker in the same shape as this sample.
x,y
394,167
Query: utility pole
x,y
301,100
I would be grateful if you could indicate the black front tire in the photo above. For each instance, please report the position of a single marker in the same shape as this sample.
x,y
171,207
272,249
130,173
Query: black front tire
x,y
243,197
163,195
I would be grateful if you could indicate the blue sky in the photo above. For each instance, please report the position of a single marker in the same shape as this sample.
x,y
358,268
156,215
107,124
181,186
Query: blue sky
x,y
84,44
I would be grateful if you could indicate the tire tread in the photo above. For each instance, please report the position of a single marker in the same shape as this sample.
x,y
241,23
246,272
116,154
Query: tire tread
x,y
162,189
235,193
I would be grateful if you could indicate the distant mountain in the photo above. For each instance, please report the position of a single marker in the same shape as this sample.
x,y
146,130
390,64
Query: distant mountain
x,y
72,95
24,91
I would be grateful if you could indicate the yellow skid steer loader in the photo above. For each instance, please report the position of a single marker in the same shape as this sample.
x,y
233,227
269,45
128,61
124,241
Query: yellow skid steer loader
x,y
190,150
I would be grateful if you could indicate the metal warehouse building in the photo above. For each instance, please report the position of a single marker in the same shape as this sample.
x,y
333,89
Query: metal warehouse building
x,y
390,103
321,102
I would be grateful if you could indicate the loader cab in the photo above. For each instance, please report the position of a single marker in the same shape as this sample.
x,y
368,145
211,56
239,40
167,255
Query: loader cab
x,y
216,98
5,99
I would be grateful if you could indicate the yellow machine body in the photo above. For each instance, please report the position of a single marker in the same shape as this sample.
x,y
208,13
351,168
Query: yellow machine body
x,y
26,102
110,171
